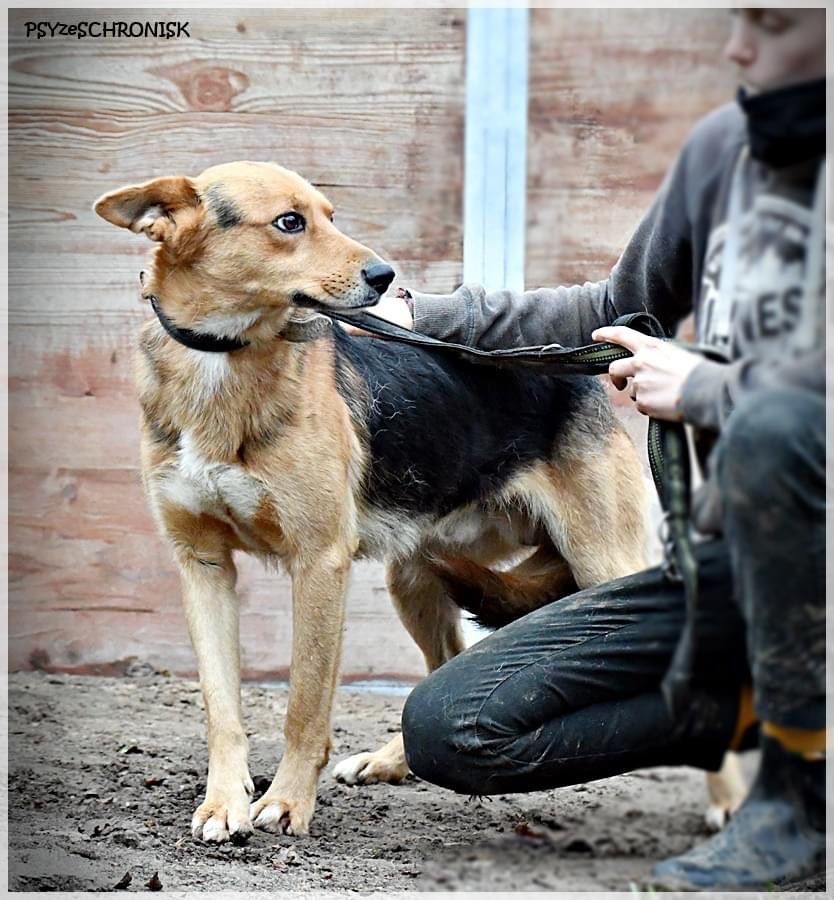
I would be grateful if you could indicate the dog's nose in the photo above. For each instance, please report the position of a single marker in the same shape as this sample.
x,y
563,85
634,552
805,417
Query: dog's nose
x,y
379,276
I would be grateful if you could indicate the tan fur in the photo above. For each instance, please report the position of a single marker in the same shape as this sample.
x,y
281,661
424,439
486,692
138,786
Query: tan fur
x,y
594,517
257,451
521,587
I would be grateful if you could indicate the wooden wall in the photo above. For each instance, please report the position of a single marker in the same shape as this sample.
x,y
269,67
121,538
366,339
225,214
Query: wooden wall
x,y
369,105
612,96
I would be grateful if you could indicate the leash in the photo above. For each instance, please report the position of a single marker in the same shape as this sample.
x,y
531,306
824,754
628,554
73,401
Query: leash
x,y
668,453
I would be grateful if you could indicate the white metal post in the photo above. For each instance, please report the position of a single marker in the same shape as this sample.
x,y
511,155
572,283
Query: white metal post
x,y
495,166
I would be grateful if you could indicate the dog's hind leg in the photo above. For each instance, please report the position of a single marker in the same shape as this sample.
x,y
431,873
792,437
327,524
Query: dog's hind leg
x,y
211,610
433,620
594,506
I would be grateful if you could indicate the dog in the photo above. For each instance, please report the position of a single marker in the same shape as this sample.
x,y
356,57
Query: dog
x,y
264,429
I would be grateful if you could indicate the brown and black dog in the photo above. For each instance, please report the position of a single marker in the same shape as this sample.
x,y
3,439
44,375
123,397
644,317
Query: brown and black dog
x,y
309,446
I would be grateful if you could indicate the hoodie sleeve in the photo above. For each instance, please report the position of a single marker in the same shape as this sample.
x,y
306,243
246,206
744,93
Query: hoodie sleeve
x,y
713,389
657,271
498,319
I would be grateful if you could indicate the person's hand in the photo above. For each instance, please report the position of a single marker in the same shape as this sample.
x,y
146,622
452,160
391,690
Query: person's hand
x,y
657,370
391,308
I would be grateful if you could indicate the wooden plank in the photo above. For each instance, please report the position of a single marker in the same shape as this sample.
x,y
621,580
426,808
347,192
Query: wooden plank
x,y
92,585
269,61
613,94
367,104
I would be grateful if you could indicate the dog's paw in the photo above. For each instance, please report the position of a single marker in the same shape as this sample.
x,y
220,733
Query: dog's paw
x,y
726,789
370,768
716,817
217,821
224,814
280,815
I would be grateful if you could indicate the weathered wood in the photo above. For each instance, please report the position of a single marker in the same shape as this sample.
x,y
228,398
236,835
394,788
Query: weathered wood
x,y
613,94
92,587
366,103
369,110
278,62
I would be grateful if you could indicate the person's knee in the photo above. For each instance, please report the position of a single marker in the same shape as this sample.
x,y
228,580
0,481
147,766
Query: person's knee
x,y
770,438
440,746
417,737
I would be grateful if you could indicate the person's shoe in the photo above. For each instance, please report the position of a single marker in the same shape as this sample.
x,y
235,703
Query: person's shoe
x,y
777,835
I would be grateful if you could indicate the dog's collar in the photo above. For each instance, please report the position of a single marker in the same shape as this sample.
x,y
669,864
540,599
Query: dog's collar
x,y
306,327
209,343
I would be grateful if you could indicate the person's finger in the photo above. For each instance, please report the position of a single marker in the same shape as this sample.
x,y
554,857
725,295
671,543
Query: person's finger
x,y
354,329
391,309
625,337
622,368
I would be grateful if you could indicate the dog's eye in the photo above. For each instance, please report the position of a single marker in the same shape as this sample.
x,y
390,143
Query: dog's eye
x,y
289,223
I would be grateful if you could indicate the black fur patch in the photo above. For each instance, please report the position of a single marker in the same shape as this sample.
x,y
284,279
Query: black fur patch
x,y
444,432
227,213
168,437
268,434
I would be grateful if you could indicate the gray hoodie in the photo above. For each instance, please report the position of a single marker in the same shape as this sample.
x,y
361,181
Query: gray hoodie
x,y
737,242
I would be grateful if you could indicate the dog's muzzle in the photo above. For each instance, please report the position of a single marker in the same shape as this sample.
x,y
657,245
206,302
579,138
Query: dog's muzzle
x,y
377,277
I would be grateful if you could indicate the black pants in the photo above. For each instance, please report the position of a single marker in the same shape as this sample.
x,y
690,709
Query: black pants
x,y
570,693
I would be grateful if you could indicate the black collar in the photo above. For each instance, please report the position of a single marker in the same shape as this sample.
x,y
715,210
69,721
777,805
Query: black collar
x,y
209,343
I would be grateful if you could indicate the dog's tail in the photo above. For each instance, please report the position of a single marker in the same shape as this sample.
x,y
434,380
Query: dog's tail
x,y
495,598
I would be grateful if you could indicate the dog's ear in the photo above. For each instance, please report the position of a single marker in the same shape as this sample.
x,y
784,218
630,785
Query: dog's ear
x,y
150,207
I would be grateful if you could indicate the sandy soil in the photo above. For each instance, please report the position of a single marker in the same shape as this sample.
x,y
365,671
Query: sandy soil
x,y
105,774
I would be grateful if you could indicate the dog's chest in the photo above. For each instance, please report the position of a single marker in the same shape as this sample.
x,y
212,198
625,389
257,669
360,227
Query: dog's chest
x,y
203,486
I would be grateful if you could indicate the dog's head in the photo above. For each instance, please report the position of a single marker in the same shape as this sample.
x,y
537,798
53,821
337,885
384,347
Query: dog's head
x,y
245,238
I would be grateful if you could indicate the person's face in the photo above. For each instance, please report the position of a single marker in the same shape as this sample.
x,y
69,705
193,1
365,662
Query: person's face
x,y
777,47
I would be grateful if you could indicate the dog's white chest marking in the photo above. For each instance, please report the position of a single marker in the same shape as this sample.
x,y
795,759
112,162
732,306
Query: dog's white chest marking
x,y
202,485
211,370
220,489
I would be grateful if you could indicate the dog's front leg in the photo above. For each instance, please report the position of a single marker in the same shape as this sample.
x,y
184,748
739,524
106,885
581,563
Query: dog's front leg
x,y
211,609
318,614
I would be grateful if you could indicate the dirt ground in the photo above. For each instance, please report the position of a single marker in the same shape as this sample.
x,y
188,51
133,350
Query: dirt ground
x,y
105,774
